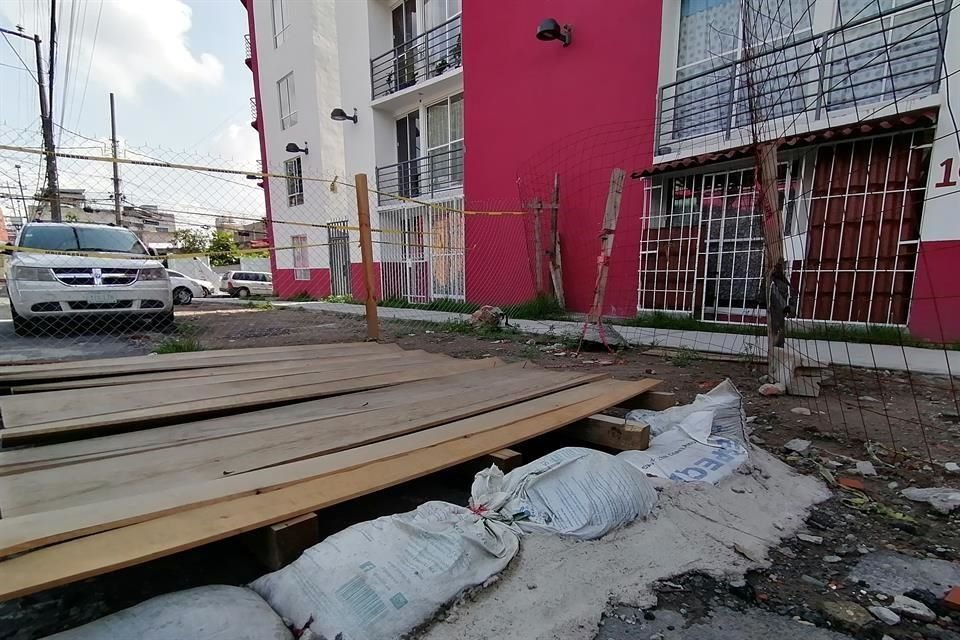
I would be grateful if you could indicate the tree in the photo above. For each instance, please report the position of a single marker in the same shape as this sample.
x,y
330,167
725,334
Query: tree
x,y
191,240
222,248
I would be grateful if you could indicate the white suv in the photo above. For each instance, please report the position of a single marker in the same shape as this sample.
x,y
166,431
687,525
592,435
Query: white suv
x,y
125,282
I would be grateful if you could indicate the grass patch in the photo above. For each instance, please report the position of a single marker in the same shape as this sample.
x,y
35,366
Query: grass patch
x,y
683,357
449,306
260,305
661,320
179,344
341,299
543,307
303,296
480,330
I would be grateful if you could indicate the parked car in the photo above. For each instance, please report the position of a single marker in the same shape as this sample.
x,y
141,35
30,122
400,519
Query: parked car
x,y
125,282
241,284
185,288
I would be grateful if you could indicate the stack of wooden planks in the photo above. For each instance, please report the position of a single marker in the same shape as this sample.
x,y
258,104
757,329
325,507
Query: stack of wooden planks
x,y
131,459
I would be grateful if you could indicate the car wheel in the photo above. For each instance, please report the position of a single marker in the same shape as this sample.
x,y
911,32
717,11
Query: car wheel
x,y
182,295
243,292
21,326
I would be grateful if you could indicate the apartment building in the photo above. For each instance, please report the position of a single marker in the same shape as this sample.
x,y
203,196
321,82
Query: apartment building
x,y
464,106
854,94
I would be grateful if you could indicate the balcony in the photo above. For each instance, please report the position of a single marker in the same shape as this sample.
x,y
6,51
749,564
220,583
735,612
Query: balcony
x,y
860,67
247,51
426,56
437,174
254,114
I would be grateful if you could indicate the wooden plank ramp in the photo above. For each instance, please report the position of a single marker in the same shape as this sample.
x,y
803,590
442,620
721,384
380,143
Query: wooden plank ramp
x,y
22,374
133,530
143,407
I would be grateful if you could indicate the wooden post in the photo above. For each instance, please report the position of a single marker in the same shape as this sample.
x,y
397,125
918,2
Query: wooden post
x,y
366,256
556,264
775,280
538,246
610,215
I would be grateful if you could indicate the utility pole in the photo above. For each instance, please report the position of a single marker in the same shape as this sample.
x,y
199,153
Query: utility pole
x,y
23,198
46,120
117,210
46,128
53,47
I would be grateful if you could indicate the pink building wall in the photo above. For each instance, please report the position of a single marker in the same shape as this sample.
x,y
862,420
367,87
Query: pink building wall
x,y
534,108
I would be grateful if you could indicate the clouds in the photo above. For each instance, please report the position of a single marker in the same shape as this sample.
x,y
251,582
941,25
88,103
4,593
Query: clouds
x,y
238,143
138,42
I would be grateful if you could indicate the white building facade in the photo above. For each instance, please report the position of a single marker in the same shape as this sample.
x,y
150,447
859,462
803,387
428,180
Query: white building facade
x,y
396,68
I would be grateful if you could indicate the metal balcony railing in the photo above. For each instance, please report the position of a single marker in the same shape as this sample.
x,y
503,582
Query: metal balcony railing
x,y
426,56
428,176
874,61
247,49
254,119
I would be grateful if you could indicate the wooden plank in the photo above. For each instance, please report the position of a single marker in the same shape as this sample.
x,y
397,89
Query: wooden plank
x,y
366,256
280,544
515,424
166,362
611,432
53,455
506,460
160,376
354,473
610,215
146,472
232,397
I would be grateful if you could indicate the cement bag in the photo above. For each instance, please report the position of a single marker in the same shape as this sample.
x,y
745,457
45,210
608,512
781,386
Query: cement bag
x,y
688,452
575,492
724,400
211,613
383,578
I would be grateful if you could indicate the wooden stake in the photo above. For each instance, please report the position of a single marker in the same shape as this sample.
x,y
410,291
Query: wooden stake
x,y
538,246
366,255
556,264
610,215
775,281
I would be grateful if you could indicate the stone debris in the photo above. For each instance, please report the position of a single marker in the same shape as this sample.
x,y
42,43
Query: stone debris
x,y
846,615
943,499
797,445
952,467
867,399
772,389
912,609
801,411
866,468
832,559
885,615
808,538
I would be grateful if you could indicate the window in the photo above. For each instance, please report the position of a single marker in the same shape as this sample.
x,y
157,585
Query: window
x,y
288,101
294,171
445,143
175,274
301,258
280,21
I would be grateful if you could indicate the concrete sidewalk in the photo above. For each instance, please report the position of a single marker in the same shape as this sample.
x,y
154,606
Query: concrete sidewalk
x,y
895,358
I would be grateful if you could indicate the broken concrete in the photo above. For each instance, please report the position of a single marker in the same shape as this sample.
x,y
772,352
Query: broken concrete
x,y
696,527
797,445
913,609
884,615
846,615
895,573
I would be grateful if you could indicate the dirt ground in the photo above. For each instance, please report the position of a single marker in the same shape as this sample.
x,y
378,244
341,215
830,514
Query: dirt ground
x,y
906,426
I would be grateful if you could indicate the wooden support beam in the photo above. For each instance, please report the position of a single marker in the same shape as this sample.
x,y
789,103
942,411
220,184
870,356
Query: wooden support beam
x,y
280,544
653,400
366,256
506,460
611,432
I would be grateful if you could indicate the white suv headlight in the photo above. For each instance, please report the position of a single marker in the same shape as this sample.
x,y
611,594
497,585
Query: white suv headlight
x,y
33,274
154,274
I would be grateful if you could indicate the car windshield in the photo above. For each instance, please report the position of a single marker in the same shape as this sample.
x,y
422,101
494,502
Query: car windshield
x,y
66,238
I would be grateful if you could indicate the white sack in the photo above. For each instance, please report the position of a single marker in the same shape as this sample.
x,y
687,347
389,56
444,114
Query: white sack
x,y
576,492
724,400
687,452
383,578
211,613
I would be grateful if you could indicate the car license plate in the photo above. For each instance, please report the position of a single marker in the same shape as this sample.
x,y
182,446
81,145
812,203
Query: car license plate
x,y
101,298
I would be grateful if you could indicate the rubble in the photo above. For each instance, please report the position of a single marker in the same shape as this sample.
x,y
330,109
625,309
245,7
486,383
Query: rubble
x,y
808,538
952,467
769,389
912,609
866,468
846,615
797,445
943,499
885,615
801,411
487,316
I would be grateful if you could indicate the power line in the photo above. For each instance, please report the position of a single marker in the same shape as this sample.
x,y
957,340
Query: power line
x,y
17,53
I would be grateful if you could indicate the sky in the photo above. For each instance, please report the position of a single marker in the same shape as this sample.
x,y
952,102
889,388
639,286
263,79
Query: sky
x,y
182,95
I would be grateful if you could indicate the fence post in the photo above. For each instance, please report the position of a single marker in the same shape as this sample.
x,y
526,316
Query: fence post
x,y
366,256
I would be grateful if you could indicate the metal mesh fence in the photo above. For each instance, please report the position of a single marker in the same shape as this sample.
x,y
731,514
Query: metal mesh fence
x,y
571,266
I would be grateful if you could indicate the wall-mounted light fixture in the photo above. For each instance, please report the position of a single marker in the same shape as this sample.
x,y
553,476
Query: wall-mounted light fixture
x,y
293,148
340,115
550,29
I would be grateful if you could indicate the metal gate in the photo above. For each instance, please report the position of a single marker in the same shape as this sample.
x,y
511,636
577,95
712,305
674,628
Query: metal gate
x,y
338,239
